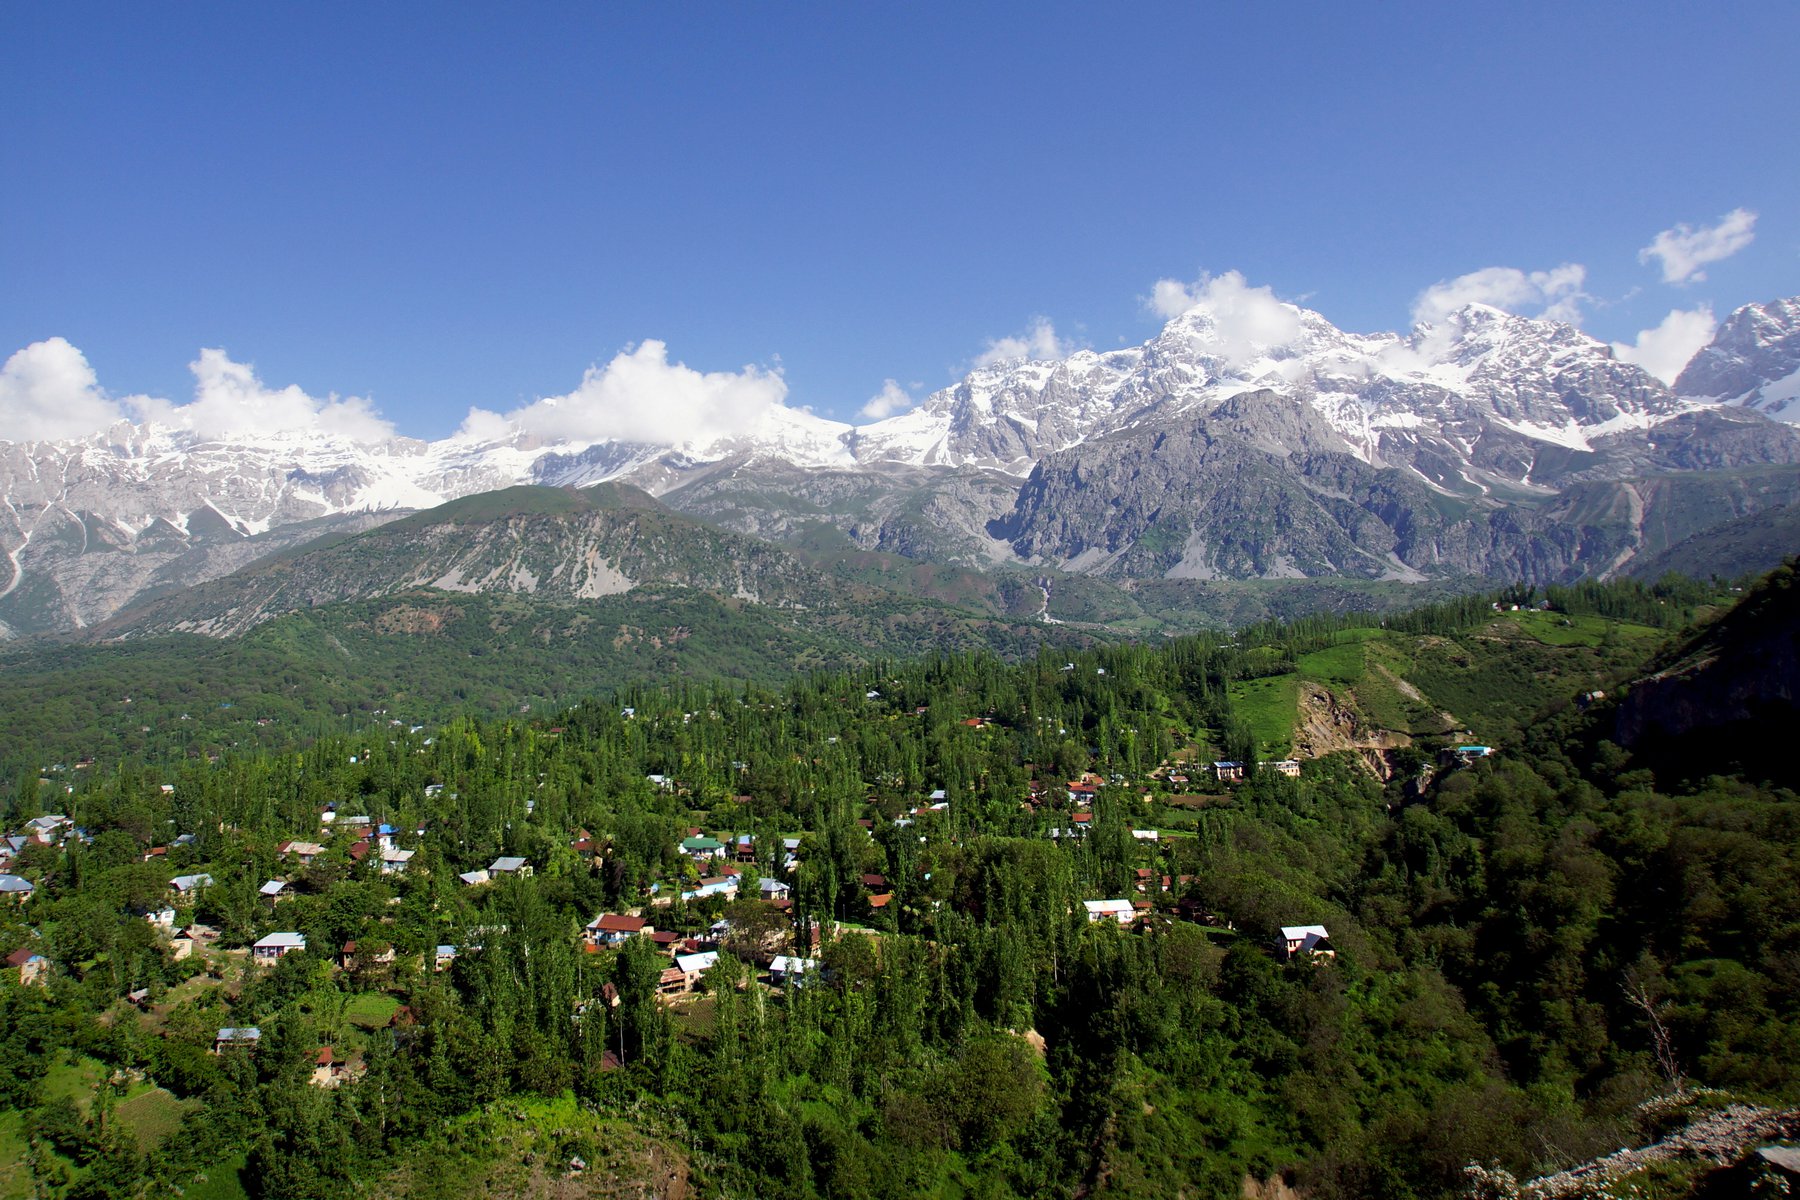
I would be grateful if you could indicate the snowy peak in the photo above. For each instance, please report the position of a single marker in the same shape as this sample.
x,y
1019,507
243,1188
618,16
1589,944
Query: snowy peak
x,y
1483,404
1752,361
1480,368
1544,379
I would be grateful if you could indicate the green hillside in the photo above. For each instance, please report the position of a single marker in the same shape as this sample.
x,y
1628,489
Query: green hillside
x,y
1381,689
424,656
1520,951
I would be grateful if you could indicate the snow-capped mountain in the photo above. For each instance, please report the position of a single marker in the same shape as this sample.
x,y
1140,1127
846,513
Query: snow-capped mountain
x,y
1483,405
1482,372
1753,361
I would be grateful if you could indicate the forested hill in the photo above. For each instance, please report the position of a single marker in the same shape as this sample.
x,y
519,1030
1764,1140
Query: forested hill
x,y
1490,958
426,656
1721,693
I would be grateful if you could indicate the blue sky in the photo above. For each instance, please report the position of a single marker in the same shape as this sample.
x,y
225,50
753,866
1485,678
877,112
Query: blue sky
x,y
439,207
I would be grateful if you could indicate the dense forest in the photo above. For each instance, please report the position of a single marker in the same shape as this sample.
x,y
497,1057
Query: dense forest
x,y
1524,930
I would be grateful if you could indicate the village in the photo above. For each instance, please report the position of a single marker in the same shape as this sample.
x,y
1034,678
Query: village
x,y
730,893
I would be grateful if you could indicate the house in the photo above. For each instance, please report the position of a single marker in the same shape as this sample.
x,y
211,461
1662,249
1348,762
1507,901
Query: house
x,y
785,968
46,828
33,967
772,889
1119,911
610,929
1289,767
875,883
718,885
1468,754
1303,941
695,966
162,919
881,901
1190,908
347,956
273,890
1228,772
745,849
394,862
442,957
517,867
16,889
328,1070
246,1037
1145,835
702,847
195,937
188,886
303,852
277,946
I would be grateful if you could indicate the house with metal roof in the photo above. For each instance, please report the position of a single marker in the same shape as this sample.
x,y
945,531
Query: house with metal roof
x,y
277,946
190,885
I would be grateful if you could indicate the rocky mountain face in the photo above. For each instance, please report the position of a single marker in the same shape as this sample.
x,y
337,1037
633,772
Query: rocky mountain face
x,y
1477,396
1753,361
554,544
1258,487
1220,448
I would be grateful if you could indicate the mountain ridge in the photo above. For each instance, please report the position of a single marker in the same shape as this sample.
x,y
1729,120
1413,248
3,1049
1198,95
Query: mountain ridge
x,y
1484,406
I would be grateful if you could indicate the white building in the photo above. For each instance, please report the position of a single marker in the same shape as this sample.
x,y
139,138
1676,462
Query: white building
x,y
1113,910
277,946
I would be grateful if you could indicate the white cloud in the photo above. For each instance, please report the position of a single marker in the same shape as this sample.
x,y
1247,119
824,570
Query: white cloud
x,y
482,425
1556,293
891,399
229,400
1664,350
1037,344
1683,250
640,396
1244,322
1170,297
48,391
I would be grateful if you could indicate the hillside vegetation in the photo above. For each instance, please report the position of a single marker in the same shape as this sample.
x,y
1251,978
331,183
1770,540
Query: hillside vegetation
x,y
1521,949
